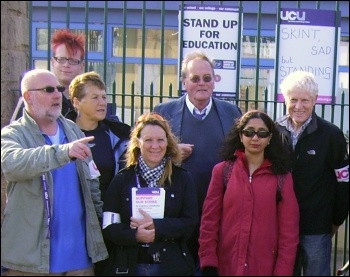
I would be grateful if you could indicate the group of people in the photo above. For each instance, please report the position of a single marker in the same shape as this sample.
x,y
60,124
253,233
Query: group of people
x,y
243,195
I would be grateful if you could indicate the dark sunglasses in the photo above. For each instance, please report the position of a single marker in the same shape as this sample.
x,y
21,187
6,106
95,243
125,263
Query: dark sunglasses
x,y
251,133
197,79
49,89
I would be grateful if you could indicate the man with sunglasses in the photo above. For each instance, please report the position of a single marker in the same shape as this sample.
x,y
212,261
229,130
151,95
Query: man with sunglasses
x,y
68,61
320,173
51,221
201,122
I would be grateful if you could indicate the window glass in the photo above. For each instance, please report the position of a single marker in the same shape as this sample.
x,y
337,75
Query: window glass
x,y
344,51
41,64
95,39
267,47
255,100
132,75
152,42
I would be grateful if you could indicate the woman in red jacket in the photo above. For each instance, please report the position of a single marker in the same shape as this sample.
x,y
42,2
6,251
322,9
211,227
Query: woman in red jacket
x,y
250,221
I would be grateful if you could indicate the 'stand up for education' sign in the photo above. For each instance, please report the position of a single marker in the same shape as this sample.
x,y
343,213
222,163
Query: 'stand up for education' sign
x,y
306,43
214,30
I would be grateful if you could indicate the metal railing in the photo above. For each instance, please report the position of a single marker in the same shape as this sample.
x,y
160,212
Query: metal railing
x,y
128,103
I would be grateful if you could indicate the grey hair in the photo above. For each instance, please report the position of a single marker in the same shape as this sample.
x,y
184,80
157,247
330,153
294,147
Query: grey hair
x,y
300,80
194,55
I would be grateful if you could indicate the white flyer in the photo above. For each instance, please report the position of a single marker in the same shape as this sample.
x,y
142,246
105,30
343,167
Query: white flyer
x,y
110,218
151,200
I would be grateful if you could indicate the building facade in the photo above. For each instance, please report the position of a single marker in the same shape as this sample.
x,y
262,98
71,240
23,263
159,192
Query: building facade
x,y
135,46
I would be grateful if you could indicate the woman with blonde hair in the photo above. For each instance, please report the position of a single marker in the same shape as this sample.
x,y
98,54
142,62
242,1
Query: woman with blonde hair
x,y
146,245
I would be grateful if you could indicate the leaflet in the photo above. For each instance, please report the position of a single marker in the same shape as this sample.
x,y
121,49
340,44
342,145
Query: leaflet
x,y
110,218
151,200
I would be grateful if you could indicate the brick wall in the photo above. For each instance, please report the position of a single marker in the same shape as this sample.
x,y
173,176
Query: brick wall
x,y
14,61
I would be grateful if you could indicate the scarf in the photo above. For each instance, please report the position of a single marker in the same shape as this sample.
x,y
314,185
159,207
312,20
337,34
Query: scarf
x,y
151,176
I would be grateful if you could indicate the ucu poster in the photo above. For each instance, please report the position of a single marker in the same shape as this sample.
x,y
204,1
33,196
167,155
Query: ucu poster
x,y
308,41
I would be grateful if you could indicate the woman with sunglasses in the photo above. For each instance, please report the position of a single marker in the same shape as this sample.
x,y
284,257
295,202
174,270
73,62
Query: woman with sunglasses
x,y
250,221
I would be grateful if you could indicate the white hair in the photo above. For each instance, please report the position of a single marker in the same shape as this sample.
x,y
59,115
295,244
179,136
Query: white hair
x,y
301,80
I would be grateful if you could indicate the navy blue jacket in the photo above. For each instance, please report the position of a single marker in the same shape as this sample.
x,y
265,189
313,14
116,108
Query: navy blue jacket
x,y
173,112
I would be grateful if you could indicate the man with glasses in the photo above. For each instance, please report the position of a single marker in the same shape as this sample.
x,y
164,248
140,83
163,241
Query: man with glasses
x,y
201,122
320,173
51,221
68,61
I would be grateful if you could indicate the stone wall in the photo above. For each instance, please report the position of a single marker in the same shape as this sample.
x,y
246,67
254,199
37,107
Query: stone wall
x,y
14,61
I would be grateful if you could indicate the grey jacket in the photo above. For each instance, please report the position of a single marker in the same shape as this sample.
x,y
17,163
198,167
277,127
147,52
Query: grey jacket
x,y
24,158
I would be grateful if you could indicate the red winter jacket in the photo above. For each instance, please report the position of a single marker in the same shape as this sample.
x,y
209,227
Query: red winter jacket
x,y
243,230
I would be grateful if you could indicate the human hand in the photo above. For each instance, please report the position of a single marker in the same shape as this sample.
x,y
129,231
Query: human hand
x,y
78,149
186,150
136,222
145,235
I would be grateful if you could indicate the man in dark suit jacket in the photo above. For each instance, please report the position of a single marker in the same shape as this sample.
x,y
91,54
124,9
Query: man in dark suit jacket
x,y
200,121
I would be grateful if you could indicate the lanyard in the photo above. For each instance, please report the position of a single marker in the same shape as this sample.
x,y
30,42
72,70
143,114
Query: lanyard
x,y
63,139
47,203
138,180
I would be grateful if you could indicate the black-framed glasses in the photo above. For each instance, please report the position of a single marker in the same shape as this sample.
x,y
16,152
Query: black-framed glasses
x,y
249,133
49,89
196,79
64,59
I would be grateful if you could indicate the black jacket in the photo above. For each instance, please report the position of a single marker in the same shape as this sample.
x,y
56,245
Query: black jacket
x,y
319,155
180,218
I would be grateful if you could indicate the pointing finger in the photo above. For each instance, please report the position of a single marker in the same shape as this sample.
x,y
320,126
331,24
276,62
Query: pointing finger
x,y
86,139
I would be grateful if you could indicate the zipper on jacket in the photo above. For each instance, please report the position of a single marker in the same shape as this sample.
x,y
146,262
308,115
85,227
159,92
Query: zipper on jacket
x,y
250,179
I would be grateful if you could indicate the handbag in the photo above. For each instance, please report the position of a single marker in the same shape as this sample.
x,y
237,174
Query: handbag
x,y
122,261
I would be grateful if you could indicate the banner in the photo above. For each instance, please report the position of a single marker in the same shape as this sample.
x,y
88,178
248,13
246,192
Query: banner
x,y
307,43
214,30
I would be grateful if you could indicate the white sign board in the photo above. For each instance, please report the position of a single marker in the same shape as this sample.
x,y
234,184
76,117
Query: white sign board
x,y
307,43
214,30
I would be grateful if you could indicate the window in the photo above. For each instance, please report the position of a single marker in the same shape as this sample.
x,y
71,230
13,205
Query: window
x,y
344,51
132,75
267,47
95,39
152,42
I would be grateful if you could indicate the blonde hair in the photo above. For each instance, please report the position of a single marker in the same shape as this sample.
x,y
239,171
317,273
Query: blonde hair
x,y
173,153
80,82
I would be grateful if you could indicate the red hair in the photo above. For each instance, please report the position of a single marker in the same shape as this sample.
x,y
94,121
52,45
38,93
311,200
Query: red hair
x,y
73,42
